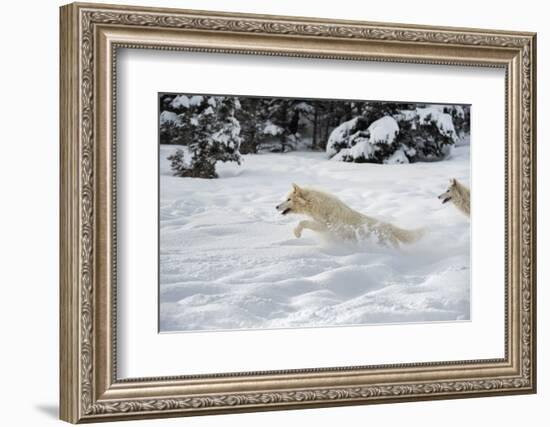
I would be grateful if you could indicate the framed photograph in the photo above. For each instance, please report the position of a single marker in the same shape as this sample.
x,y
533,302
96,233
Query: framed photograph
x,y
267,212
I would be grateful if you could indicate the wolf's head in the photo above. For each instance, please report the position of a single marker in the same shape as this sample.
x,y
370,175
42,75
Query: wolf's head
x,y
451,192
294,203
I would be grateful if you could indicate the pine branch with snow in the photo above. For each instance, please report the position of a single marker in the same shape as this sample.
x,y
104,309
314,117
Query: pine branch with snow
x,y
427,131
215,136
372,145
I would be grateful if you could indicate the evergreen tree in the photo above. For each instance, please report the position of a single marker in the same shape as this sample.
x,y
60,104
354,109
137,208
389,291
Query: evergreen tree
x,y
283,121
184,107
216,137
252,116
427,133
170,128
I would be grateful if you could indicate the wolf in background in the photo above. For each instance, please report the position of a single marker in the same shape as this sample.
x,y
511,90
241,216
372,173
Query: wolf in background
x,y
459,195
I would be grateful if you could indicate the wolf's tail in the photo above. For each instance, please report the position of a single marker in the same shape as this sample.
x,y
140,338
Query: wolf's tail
x,y
409,236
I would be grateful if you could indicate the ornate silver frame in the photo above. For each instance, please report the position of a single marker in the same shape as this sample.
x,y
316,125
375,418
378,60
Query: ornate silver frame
x,y
90,36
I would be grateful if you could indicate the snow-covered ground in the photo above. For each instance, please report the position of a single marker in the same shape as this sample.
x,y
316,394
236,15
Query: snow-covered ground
x,y
229,260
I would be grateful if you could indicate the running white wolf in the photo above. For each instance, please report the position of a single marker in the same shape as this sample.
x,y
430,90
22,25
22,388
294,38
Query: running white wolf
x,y
330,214
459,194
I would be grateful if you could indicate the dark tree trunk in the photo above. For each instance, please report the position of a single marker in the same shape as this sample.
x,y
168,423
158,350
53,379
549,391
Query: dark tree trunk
x,y
294,121
348,113
284,121
315,125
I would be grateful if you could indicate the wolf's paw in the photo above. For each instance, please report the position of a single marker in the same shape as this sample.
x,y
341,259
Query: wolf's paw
x,y
298,232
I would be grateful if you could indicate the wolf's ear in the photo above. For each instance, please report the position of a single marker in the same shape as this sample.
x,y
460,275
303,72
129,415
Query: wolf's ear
x,y
453,181
296,188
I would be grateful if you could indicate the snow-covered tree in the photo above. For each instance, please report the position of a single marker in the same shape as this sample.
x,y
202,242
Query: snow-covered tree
x,y
351,142
427,133
174,120
460,115
396,133
252,115
282,121
340,137
180,163
216,137
170,129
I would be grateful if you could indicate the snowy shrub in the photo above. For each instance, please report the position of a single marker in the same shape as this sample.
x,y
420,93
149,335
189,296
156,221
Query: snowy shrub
x,y
428,131
374,144
460,116
443,121
420,134
383,131
215,137
340,137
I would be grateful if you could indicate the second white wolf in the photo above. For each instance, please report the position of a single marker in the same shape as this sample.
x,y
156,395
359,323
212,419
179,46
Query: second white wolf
x,y
459,195
330,214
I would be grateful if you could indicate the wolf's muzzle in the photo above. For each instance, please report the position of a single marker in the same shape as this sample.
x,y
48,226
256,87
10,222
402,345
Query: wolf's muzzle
x,y
282,209
444,198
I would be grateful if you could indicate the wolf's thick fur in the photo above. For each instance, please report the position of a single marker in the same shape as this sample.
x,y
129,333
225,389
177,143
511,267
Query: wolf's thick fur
x,y
459,194
330,214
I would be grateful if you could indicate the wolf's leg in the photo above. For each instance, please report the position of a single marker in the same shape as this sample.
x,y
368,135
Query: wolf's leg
x,y
312,225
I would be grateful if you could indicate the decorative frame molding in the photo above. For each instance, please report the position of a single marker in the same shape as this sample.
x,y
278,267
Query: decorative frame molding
x,y
90,36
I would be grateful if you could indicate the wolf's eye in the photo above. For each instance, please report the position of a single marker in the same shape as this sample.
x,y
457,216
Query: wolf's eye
x,y
288,200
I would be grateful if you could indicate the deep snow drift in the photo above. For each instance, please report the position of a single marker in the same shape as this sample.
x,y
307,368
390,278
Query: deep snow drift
x,y
229,260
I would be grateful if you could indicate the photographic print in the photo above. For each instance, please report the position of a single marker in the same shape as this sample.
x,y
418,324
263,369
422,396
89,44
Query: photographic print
x,y
289,213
